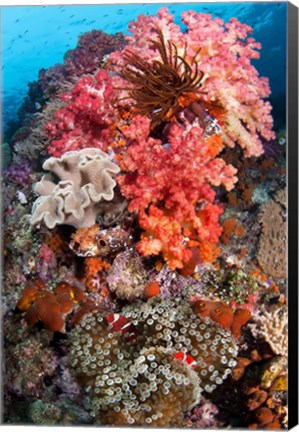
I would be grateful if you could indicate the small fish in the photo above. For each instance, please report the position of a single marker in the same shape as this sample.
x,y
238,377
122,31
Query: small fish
x,y
16,21
72,16
185,358
119,323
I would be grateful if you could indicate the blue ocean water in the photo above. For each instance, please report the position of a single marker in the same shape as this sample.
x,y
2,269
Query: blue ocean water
x,y
35,37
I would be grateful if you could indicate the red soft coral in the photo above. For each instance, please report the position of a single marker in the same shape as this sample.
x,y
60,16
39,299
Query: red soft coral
x,y
179,173
85,120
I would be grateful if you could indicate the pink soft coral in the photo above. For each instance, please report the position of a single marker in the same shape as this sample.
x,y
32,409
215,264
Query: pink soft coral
x,y
85,120
224,54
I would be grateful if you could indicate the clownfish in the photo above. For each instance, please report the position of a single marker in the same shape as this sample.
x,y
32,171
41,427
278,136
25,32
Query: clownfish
x,y
121,324
185,358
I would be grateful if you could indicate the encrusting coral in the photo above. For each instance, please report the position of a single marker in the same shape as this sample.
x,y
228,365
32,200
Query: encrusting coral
x,y
127,276
272,250
85,179
150,364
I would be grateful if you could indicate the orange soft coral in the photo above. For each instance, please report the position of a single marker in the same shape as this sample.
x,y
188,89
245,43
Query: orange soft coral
x,y
93,266
163,234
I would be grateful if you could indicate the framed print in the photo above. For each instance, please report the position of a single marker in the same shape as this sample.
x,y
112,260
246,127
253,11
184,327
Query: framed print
x,y
150,204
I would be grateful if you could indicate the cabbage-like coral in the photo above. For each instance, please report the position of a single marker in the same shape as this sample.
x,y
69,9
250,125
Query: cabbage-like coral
x,y
85,180
218,53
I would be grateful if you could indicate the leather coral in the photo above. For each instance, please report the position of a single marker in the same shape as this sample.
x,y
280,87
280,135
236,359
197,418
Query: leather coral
x,y
85,182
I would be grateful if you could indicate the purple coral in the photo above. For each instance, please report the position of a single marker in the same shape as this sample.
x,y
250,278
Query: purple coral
x,y
86,58
19,173
26,366
203,416
127,276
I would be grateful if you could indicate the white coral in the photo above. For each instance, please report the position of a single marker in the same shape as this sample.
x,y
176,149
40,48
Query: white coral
x,y
273,328
85,180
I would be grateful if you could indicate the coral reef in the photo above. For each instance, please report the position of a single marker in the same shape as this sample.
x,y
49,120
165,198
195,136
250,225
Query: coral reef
x,y
187,197
145,271
19,173
86,58
203,416
35,360
147,381
85,179
223,315
161,87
